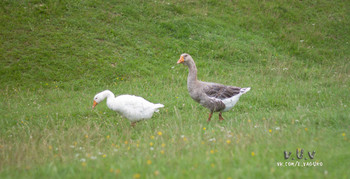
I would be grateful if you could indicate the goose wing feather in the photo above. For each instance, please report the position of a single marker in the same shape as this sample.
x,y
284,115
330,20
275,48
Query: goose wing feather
x,y
220,91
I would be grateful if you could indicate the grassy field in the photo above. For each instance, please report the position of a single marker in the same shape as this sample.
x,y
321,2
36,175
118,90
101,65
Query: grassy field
x,y
56,55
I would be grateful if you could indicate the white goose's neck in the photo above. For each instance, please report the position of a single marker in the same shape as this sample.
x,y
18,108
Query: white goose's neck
x,y
110,97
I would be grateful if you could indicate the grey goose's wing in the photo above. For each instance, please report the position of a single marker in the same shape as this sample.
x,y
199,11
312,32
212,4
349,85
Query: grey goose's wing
x,y
220,91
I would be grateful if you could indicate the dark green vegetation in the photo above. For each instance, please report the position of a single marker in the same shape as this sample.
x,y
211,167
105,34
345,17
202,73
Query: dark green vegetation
x,y
56,55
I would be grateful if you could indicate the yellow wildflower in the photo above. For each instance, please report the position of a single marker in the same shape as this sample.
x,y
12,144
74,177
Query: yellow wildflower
x,y
162,151
137,175
108,137
212,151
83,164
159,133
86,136
228,141
104,155
156,173
253,154
343,134
50,147
270,130
149,162
126,142
305,129
151,144
204,128
152,137
163,145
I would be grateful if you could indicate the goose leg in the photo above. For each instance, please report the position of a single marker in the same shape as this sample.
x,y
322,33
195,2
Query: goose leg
x,y
133,124
211,113
220,117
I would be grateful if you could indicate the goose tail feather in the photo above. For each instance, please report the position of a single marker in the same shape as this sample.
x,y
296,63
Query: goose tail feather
x,y
158,106
244,90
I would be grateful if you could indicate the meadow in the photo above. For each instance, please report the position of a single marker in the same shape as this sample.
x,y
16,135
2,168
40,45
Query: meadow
x,y
56,55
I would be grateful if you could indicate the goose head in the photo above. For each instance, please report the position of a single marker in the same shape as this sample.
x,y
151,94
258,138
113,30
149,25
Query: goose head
x,y
185,59
100,97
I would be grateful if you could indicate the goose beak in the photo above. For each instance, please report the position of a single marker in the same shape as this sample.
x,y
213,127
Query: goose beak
x,y
93,105
181,60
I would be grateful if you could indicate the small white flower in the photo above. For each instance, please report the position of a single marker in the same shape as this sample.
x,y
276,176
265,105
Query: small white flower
x,y
301,41
151,148
81,148
93,157
182,136
100,153
278,128
115,150
296,120
83,160
256,126
212,140
76,155
173,67
72,146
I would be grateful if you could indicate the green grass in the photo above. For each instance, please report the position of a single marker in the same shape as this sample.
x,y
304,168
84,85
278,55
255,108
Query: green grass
x,y
56,55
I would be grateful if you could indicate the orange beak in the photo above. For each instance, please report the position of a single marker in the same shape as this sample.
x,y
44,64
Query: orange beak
x,y
181,60
93,105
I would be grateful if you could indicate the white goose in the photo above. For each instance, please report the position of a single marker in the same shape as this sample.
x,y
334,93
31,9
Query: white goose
x,y
132,107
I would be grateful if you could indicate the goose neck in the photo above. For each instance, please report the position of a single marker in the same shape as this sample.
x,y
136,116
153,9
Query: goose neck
x,y
192,74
